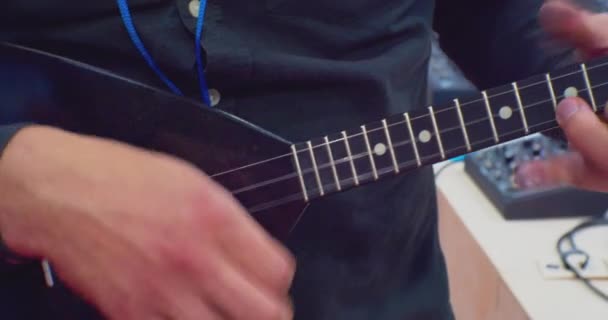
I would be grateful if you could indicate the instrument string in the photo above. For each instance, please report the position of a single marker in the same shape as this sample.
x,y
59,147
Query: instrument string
x,y
396,145
299,196
452,108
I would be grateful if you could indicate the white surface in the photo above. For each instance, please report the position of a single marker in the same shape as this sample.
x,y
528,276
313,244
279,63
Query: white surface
x,y
516,247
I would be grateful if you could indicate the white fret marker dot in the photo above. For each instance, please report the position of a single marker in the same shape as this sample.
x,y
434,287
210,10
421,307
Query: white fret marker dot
x,y
380,149
424,136
505,112
570,92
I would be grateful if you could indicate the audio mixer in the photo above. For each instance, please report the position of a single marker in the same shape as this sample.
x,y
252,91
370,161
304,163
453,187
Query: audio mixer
x,y
493,171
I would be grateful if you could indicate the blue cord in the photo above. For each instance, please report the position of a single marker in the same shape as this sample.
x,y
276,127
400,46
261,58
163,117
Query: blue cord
x,y
458,159
199,35
128,21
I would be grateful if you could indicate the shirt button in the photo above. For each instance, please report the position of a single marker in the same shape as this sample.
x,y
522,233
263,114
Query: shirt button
x,y
214,97
194,7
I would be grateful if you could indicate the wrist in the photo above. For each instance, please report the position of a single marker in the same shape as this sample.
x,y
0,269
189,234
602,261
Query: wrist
x,y
20,228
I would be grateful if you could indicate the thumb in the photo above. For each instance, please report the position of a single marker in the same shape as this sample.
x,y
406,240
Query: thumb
x,y
588,167
584,130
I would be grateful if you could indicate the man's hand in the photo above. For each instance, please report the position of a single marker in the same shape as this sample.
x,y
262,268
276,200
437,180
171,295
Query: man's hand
x,y
139,235
587,165
576,27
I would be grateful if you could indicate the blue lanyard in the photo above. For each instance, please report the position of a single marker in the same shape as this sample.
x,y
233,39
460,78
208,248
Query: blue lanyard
x,y
128,21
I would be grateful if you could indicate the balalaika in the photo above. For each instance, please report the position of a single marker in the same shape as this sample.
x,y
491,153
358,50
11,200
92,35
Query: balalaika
x,y
273,178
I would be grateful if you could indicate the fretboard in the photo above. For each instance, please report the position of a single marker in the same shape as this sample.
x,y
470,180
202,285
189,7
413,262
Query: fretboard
x,y
408,141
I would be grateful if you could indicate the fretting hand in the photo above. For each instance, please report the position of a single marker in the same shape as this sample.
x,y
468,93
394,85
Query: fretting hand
x,y
140,235
587,165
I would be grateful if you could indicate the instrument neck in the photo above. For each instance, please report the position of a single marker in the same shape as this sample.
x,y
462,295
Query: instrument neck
x,y
405,142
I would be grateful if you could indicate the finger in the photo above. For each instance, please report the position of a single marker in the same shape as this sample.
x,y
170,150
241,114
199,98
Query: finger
x,y
238,297
249,247
266,261
584,130
577,27
565,22
193,308
178,295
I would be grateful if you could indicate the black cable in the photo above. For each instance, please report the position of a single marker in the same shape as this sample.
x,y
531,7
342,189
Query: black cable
x,y
564,255
451,163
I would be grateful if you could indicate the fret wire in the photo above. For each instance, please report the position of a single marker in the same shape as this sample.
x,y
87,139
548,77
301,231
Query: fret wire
x,y
490,116
299,170
369,151
567,75
289,176
551,90
390,145
350,157
408,163
588,84
429,156
462,125
437,134
396,145
521,107
316,169
294,197
333,164
443,110
516,91
412,138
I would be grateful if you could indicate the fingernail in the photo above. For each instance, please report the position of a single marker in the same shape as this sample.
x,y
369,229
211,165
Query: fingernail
x,y
566,109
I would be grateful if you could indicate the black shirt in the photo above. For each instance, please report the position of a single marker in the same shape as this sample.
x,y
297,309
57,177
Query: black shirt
x,y
306,68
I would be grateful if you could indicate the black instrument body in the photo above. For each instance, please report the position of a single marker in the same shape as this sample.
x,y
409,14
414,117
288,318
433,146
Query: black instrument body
x,y
45,89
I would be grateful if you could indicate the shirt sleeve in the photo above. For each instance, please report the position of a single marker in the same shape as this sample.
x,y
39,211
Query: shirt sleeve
x,y
7,132
496,42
